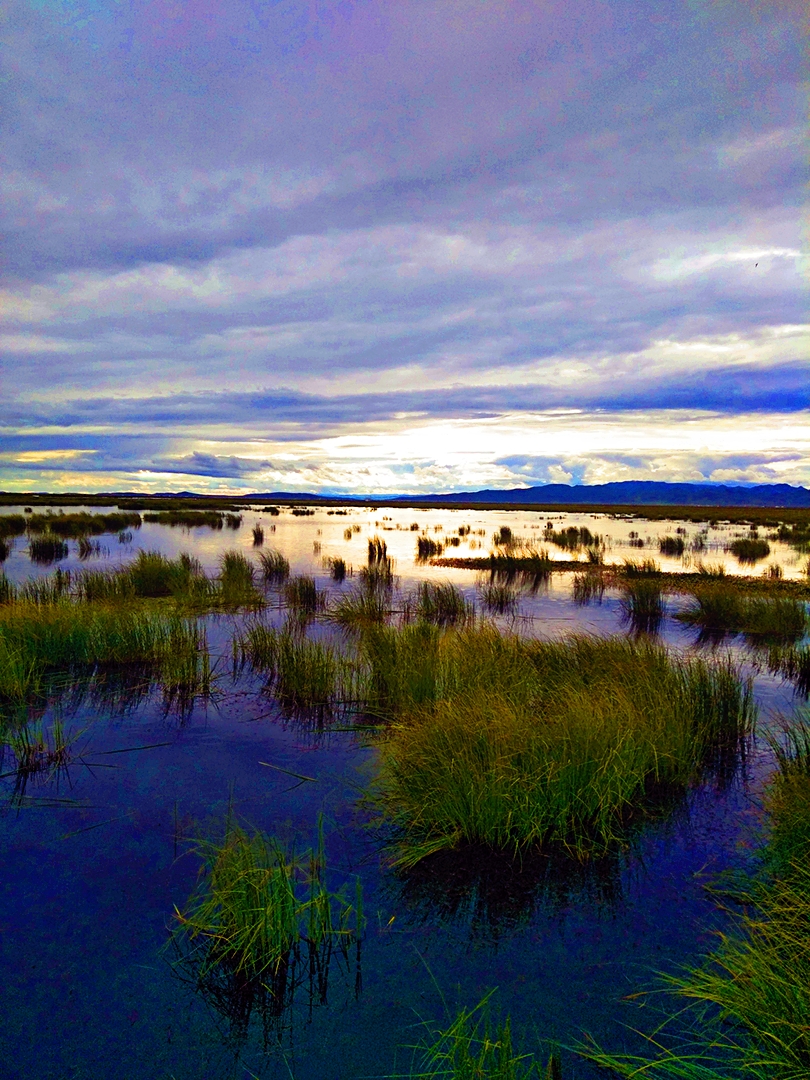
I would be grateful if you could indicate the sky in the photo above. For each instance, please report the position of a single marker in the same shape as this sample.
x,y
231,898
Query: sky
x,y
404,246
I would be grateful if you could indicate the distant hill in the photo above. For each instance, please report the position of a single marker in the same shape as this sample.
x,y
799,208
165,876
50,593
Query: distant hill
x,y
633,493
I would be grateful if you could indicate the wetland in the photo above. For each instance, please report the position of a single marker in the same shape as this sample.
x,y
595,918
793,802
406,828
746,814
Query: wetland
x,y
343,792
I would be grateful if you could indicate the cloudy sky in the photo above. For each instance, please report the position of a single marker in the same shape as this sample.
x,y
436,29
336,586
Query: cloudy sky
x,y
403,245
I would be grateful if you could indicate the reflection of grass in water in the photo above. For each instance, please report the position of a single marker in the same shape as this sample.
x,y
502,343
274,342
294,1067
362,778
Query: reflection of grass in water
x,y
752,995
39,753
47,549
261,923
301,595
588,588
498,596
674,546
514,743
793,664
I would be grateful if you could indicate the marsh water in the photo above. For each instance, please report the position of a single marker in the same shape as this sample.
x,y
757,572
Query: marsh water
x,y
97,856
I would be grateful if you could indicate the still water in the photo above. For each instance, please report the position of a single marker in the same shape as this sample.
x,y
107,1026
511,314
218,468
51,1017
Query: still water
x,y
96,859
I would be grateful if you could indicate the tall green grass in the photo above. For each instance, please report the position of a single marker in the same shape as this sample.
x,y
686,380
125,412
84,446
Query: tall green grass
x,y
512,743
82,524
274,567
44,647
11,525
748,549
304,674
642,602
47,549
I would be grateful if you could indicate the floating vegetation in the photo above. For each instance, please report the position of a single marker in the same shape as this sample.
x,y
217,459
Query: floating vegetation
x,y
671,545
442,603
468,762
258,536
749,549
47,549
275,568
263,925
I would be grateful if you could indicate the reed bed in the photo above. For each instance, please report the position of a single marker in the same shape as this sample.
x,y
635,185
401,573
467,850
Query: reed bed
x,y
671,545
187,519
572,538
511,743
82,524
11,525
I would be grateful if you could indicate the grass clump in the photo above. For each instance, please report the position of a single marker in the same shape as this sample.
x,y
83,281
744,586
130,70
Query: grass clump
x,y
258,536
303,674
274,567
237,581
442,603
82,524
261,922
337,569
642,602
510,743
360,608
473,1048
187,519
747,549
588,588
47,549
572,538
11,525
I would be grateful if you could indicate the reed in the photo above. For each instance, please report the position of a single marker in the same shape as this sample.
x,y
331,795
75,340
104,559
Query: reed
x,y
531,561
40,642
588,588
275,568
258,536
187,519
11,525
303,674
511,743
337,569
572,538
377,550
360,608
262,920
82,524
237,581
